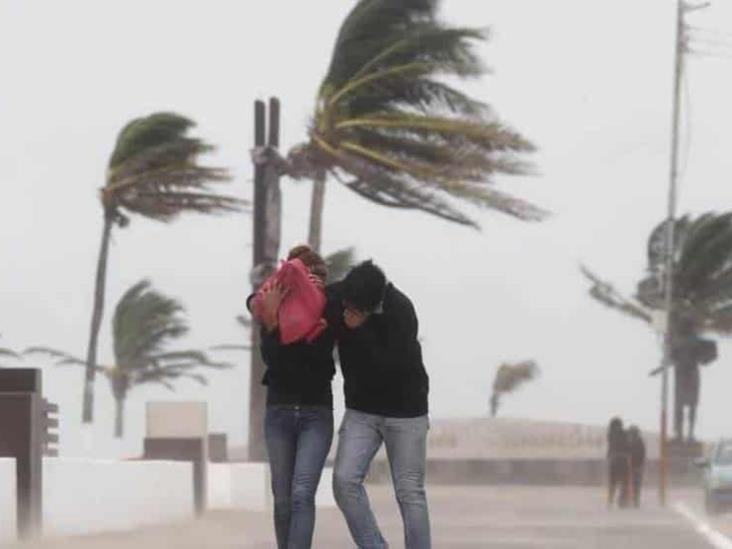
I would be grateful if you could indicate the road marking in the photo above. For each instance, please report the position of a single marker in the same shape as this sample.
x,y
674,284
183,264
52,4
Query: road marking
x,y
717,540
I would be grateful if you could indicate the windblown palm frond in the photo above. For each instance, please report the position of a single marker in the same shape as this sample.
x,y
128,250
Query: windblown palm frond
x,y
9,353
606,294
339,263
701,282
145,323
388,121
154,171
702,276
61,358
510,377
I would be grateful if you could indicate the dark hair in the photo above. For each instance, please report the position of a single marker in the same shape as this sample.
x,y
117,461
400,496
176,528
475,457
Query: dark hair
x,y
614,428
363,287
311,259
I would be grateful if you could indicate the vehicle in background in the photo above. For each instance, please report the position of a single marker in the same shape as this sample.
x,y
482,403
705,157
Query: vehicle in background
x,y
718,477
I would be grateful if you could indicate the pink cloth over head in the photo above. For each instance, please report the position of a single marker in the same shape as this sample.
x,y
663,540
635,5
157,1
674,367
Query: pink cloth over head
x,y
300,315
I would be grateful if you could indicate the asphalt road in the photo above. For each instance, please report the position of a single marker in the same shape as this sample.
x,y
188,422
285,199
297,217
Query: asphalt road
x,y
463,517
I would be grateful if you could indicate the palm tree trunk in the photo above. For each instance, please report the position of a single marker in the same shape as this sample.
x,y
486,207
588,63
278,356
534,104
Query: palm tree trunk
x,y
87,415
495,403
119,417
317,202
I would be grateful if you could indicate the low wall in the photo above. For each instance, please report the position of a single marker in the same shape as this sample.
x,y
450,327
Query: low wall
x,y
84,496
536,472
7,500
247,486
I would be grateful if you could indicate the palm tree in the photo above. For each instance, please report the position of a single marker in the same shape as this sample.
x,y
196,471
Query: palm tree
x,y
701,282
510,377
153,172
145,325
391,129
701,278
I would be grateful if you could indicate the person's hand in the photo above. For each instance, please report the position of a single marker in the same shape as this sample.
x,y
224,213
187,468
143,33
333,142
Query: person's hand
x,y
272,297
354,319
316,280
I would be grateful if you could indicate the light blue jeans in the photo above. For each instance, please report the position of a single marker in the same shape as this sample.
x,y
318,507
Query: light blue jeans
x,y
360,437
298,441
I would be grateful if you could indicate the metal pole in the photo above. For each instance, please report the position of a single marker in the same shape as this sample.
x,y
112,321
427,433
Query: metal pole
x,y
255,445
670,222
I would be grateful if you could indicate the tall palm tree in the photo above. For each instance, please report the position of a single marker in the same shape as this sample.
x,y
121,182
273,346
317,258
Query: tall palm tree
x,y
390,127
701,283
510,377
145,325
153,172
701,278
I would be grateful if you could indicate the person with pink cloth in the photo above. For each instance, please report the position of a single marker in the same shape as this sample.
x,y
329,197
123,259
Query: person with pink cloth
x,y
297,348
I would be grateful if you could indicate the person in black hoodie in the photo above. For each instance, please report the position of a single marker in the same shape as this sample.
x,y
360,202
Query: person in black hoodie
x,y
386,387
299,416
618,459
637,451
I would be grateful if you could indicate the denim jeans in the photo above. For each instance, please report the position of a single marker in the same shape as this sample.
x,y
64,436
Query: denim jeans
x,y
298,441
360,437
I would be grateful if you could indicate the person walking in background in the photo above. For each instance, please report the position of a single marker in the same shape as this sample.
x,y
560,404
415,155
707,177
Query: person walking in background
x,y
637,452
299,416
386,389
618,463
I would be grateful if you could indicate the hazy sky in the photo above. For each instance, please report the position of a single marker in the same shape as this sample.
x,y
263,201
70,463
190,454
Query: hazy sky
x,y
589,81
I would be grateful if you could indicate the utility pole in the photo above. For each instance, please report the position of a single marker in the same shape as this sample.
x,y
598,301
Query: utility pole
x,y
266,225
681,9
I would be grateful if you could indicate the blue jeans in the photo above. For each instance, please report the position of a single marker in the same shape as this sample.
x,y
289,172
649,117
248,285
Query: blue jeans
x,y
298,441
360,437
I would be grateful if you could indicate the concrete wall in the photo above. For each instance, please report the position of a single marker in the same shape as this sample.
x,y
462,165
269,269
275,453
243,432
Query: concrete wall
x,y
7,500
536,472
247,486
82,496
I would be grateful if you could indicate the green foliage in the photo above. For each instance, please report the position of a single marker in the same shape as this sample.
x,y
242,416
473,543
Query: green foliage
x,y
701,278
154,172
339,263
509,377
390,126
146,323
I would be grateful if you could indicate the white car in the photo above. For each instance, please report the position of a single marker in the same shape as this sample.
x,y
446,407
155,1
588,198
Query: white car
x,y
718,477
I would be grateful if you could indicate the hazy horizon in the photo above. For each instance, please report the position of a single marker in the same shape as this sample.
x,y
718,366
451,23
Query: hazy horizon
x,y
588,82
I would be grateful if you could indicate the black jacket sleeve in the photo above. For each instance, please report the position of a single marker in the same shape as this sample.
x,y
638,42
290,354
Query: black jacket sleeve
x,y
391,336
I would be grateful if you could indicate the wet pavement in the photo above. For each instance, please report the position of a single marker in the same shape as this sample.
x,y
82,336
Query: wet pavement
x,y
487,517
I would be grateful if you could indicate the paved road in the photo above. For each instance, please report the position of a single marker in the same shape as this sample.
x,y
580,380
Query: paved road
x,y
463,517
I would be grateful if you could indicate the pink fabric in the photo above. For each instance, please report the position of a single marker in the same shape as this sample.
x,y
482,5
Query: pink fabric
x,y
301,311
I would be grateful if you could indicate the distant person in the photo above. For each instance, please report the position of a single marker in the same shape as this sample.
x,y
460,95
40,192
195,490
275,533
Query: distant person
x,y
386,388
618,463
637,451
299,416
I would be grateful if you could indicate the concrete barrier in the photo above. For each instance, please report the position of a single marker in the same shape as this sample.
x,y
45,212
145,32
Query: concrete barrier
x,y
8,532
536,472
83,496
247,486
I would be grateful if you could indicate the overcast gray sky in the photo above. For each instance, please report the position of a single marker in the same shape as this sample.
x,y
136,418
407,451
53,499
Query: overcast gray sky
x,y
588,80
